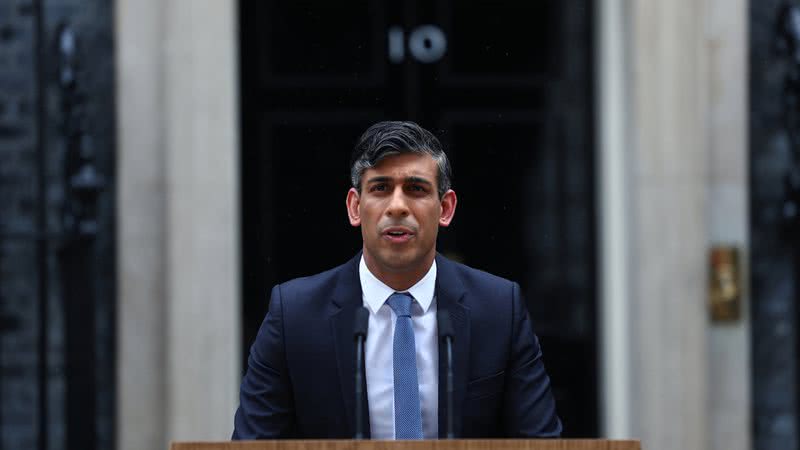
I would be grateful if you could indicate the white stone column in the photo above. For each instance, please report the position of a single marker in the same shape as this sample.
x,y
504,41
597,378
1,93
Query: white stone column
x,y
201,92
669,238
729,375
656,388
141,236
178,215
672,120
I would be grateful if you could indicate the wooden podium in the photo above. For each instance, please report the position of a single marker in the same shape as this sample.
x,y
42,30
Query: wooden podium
x,y
456,444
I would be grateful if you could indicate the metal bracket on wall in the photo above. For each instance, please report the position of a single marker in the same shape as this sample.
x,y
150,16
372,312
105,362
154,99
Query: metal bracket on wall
x,y
83,181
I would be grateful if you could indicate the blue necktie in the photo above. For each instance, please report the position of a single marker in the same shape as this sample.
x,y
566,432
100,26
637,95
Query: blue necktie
x,y
407,415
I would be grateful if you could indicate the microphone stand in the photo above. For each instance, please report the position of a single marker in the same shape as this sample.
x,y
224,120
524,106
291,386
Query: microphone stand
x,y
360,334
446,333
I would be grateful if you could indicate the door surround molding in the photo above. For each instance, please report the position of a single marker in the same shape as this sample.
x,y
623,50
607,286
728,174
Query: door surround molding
x,y
178,216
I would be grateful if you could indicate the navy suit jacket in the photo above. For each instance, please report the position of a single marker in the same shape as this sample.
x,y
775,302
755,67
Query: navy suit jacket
x,y
300,377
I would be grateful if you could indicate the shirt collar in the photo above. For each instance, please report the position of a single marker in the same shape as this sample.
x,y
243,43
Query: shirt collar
x,y
376,292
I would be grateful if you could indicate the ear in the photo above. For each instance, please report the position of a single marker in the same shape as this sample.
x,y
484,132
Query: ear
x,y
353,201
449,201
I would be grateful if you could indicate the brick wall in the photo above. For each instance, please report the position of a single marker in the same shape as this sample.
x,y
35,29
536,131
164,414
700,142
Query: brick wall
x,y
32,196
773,275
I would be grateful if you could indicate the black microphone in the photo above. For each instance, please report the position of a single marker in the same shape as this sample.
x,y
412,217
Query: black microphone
x,y
446,334
360,335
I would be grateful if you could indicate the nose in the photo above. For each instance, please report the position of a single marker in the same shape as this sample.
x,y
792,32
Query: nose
x,y
398,207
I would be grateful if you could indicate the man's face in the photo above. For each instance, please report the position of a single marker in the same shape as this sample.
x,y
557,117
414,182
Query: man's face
x,y
400,212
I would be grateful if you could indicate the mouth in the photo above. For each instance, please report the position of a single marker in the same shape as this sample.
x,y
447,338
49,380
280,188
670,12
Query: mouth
x,y
398,235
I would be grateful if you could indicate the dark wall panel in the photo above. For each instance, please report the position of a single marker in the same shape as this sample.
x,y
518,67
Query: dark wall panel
x,y
56,232
775,237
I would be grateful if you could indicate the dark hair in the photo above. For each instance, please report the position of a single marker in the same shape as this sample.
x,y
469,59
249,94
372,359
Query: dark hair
x,y
393,138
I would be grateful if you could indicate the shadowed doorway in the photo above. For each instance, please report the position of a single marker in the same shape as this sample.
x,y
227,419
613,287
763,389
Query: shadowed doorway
x,y
507,87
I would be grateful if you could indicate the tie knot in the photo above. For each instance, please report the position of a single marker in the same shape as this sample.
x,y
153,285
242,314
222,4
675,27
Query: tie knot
x,y
400,302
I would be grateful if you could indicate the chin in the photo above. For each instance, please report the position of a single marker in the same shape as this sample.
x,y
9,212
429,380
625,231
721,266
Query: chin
x,y
398,262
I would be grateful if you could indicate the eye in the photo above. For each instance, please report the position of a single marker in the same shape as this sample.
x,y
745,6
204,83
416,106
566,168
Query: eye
x,y
378,187
417,188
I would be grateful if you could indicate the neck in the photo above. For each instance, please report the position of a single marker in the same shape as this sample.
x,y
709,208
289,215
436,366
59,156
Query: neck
x,y
399,279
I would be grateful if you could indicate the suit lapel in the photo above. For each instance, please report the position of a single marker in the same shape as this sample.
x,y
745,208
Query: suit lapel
x,y
449,296
346,298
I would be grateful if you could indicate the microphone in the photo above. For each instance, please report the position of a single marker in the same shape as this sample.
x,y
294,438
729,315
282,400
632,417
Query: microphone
x,y
446,334
360,335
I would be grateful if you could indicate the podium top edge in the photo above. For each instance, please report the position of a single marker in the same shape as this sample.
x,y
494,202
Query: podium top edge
x,y
455,444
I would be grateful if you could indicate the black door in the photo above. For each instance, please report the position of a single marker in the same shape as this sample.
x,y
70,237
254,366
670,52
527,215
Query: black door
x,y
505,85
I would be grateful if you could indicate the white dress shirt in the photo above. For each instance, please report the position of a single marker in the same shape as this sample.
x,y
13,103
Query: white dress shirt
x,y
379,357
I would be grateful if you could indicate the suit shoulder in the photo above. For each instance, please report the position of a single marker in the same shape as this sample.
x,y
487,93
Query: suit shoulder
x,y
476,278
491,298
308,285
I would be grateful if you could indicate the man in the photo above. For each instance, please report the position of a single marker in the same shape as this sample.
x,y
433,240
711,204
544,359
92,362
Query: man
x,y
300,377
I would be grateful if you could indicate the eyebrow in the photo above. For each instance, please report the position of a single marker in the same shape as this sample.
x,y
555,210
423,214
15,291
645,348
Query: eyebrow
x,y
418,180
384,179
